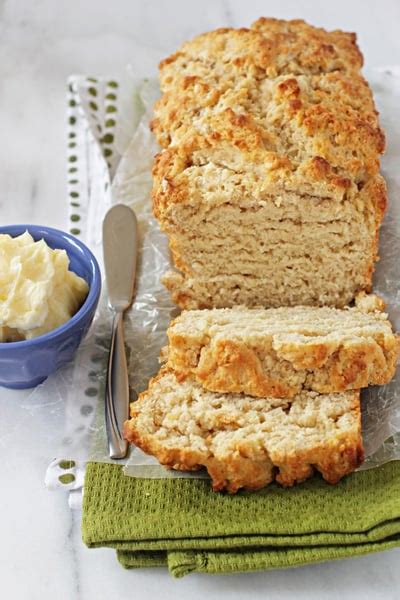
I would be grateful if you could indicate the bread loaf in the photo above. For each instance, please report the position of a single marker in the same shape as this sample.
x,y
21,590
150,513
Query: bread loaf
x,y
247,442
268,185
281,351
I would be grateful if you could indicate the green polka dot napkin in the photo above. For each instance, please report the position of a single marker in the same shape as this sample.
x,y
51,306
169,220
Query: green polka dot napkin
x,y
183,525
91,154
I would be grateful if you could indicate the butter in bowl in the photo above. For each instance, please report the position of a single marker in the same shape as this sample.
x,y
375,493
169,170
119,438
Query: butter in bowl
x,y
50,285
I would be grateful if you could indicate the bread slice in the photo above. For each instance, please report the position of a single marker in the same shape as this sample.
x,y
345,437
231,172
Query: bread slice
x,y
268,185
247,442
280,351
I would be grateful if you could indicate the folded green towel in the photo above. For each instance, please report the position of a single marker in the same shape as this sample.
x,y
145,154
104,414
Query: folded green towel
x,y
182,524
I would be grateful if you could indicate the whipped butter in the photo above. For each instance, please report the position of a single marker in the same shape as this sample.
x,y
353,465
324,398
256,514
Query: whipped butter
x,y
37,291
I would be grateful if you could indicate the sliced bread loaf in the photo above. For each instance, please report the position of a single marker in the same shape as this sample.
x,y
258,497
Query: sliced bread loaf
x,y
268,184
247,442
280,351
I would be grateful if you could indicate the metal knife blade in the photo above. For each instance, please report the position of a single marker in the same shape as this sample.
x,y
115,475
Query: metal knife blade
x,y
120,251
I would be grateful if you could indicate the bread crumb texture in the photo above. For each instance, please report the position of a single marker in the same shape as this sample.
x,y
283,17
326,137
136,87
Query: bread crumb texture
x,y
247,442
279,352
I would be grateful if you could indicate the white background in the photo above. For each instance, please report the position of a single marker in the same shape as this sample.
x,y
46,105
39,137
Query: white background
x,y
42,42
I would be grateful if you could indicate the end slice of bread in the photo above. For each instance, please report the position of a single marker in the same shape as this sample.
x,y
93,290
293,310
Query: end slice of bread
x,y
247,442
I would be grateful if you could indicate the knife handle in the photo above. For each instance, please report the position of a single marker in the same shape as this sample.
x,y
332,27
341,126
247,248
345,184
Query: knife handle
x,y
117,390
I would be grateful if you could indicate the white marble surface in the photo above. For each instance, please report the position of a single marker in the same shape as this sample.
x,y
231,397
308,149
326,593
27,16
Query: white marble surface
x,y
41,554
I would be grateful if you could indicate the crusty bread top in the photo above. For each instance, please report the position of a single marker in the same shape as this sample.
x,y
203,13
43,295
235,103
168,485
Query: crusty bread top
x,y
225,113
307,104
270,48
310,49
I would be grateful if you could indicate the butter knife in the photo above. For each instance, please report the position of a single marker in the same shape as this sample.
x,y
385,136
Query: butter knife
x,y
119,251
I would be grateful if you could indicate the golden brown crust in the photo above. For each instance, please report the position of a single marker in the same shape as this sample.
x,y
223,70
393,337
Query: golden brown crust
x,y
281,364
248,463
231,366
270,48
374,193
369,303
332,104
315,48
305,134
250,116
248,87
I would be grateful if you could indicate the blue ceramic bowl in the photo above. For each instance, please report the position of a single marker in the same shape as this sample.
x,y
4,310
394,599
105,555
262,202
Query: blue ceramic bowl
x,y
26,364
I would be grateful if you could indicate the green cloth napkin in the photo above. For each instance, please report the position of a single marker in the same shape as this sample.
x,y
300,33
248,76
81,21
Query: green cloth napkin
x,y
182,524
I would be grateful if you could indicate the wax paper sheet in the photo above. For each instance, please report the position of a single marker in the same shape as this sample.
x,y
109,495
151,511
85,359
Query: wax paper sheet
x,y
115,166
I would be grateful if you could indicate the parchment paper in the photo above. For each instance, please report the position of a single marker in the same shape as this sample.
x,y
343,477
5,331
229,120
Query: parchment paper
x,y
78,389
